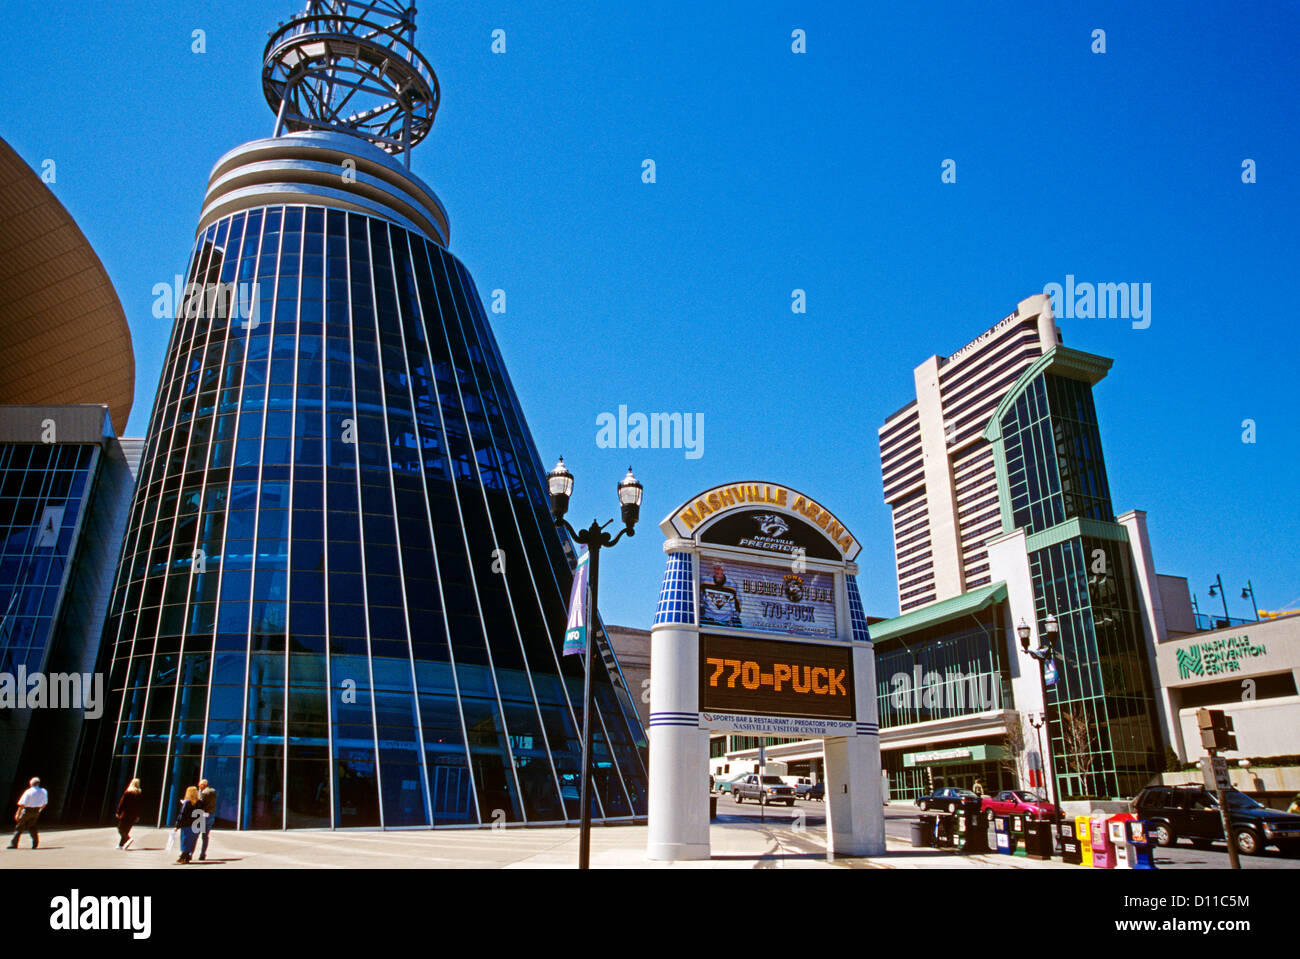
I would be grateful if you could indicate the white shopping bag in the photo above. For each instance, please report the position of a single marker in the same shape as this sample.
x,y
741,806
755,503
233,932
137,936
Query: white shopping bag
x,y
171,840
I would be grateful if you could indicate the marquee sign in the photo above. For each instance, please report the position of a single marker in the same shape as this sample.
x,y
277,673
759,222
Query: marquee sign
x,y
756,634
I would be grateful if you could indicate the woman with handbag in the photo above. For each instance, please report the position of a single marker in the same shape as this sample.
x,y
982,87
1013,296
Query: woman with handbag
x,y
188,822
128,812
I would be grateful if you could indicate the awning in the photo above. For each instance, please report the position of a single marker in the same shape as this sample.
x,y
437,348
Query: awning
x,y
979,753
936,613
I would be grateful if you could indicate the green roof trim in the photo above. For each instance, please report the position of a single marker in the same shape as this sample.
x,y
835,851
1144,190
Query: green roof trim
x,y
936,613
1060,360
1076,526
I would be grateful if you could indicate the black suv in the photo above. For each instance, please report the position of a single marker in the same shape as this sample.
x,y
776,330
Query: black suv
x,y
1192,812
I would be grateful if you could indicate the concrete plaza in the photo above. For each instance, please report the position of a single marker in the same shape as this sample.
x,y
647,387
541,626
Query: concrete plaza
x,y
736,845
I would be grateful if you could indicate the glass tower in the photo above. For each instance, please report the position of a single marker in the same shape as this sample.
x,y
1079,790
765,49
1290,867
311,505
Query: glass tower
x,y
341,595
1053,485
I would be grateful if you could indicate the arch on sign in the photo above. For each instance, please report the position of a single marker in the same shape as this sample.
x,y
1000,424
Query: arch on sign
x,y
725,512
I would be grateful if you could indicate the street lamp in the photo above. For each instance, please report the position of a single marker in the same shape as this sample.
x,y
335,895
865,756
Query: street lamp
x,y
1248,591
1038,721
559,482
1216,589
1045,653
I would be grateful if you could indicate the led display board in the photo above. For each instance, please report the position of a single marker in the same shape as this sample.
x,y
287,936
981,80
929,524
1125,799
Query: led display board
x,y
775,678
766,598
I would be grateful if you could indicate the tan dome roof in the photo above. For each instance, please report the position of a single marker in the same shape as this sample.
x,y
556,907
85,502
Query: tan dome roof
x,y
63,335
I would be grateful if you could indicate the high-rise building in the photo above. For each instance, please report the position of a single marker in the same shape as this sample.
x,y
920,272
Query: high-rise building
x,y
341,596
66,387
938,468
1002,517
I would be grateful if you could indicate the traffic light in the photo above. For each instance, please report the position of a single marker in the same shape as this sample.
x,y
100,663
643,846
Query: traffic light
x,y
1217,730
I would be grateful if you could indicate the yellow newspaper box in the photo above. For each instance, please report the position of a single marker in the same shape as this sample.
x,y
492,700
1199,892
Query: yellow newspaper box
x,y
1083,826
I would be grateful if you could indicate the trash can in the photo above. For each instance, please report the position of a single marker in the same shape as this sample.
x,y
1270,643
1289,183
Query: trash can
x,y
974,826
922,833
1039,842
713,807
1071,847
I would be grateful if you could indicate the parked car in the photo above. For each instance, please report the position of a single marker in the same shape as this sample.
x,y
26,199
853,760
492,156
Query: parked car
x,y
949,799
1019,802
1192,812
762,789
817,792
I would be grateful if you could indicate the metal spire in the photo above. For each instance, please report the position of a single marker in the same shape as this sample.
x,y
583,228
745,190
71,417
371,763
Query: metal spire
x,y
352,66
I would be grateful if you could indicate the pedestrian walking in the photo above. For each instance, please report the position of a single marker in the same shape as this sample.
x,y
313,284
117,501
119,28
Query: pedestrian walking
x,y
978,789
208,803
128,813
30,805
1295,805
189,823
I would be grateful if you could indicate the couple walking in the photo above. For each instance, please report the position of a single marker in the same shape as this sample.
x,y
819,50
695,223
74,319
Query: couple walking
x,y
197,816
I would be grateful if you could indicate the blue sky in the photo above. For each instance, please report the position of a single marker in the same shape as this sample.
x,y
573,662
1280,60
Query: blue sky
x,y
778,171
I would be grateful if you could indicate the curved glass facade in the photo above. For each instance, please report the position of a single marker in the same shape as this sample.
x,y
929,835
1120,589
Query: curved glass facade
x,y
1055,467
1105,738
341,594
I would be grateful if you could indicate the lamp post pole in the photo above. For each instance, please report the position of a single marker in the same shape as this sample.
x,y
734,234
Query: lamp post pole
x,y
1038,720
560,484
1249,588
1056,788
1046,653
1217,587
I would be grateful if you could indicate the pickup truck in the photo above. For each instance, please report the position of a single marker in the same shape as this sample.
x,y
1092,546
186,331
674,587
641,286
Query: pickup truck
x,y
762,789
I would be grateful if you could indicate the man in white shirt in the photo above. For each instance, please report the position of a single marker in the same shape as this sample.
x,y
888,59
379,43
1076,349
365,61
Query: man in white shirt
x,y
29,811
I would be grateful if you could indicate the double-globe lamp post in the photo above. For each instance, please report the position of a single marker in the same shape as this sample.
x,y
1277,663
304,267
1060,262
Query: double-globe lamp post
x,y
559,482
1045,653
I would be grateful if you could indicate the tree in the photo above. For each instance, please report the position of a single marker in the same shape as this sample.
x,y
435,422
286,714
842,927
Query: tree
x,y
1076,730
1172,763
1013,747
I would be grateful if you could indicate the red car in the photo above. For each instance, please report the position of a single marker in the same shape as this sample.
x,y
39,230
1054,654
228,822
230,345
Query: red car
x,y
1019,802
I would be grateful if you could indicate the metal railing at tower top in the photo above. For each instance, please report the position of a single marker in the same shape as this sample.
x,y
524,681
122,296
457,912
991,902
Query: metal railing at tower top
x,y
352,67
1205,622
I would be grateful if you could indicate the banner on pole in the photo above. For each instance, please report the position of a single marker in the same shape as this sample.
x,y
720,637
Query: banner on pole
x,y
575,631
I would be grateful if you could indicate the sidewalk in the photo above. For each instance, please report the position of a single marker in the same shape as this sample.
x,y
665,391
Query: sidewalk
x,y
612,847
